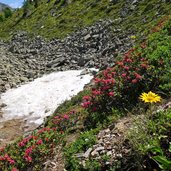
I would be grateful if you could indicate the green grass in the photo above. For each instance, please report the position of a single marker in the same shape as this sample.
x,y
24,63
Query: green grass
x,y
151,138
56,21
83,143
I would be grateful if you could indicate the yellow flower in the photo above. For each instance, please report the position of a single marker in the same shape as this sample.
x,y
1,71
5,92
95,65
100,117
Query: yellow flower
x,y
150,97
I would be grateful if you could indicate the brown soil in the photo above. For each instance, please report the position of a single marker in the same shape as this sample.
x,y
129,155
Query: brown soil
x,y
10,130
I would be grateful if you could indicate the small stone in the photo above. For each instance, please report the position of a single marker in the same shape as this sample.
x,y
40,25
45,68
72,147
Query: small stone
x,y
100,141
23,79
119,155
7,86
107,163
87,153
1,114
31,113
87,37
109,147
95,146
126,151
95,153
101,134
83,163
79,155
107,136
100,148
112,126
109,153
102,152
112,136
108,143
107,130
47,110
3,105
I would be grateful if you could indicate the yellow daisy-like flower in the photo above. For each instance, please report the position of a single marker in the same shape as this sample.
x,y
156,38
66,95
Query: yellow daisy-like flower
x,y
150,97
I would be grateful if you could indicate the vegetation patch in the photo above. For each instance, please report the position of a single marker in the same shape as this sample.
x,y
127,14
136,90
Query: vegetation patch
x,y
56,19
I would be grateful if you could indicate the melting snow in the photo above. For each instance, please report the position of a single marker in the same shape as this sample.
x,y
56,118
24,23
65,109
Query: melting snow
x,y
38,99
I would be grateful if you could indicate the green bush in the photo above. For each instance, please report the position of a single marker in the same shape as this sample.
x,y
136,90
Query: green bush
x,y
7,12
31,151
158,52
1,18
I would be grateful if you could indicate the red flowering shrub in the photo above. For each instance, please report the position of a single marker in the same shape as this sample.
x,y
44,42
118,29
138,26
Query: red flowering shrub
x,y
26,152
123,83
64,121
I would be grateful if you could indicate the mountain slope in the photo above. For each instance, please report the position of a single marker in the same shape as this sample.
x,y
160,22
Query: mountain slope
x,y
3,6
105,127
95,130
58,18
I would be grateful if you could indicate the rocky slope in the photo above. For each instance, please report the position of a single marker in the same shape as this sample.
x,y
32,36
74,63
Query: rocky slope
x,y
24,58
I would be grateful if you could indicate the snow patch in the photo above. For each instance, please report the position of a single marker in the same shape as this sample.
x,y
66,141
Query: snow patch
x,y
38,99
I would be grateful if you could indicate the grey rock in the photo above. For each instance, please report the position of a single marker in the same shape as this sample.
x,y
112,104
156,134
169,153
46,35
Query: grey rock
x,y
95,153
3,105
100,149
87,37
79,155
109,153
23,79
85,71
56,62
107,130
7,86
87,153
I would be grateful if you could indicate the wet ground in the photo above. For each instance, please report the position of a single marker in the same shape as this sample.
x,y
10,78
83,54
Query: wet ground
x,y
12,129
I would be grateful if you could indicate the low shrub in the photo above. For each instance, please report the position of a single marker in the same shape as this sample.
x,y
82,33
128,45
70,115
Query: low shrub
x,y
143,68
28,152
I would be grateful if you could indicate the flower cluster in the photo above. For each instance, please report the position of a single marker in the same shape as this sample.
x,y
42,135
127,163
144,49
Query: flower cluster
x,y
27,155
64,121
29,150
124,79
7,158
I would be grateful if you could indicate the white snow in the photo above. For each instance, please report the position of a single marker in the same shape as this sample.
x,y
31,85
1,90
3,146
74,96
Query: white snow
x,y
38,99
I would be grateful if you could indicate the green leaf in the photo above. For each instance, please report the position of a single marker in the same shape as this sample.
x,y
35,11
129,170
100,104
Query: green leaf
x,y
156,150
170,147
162,162
169,116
